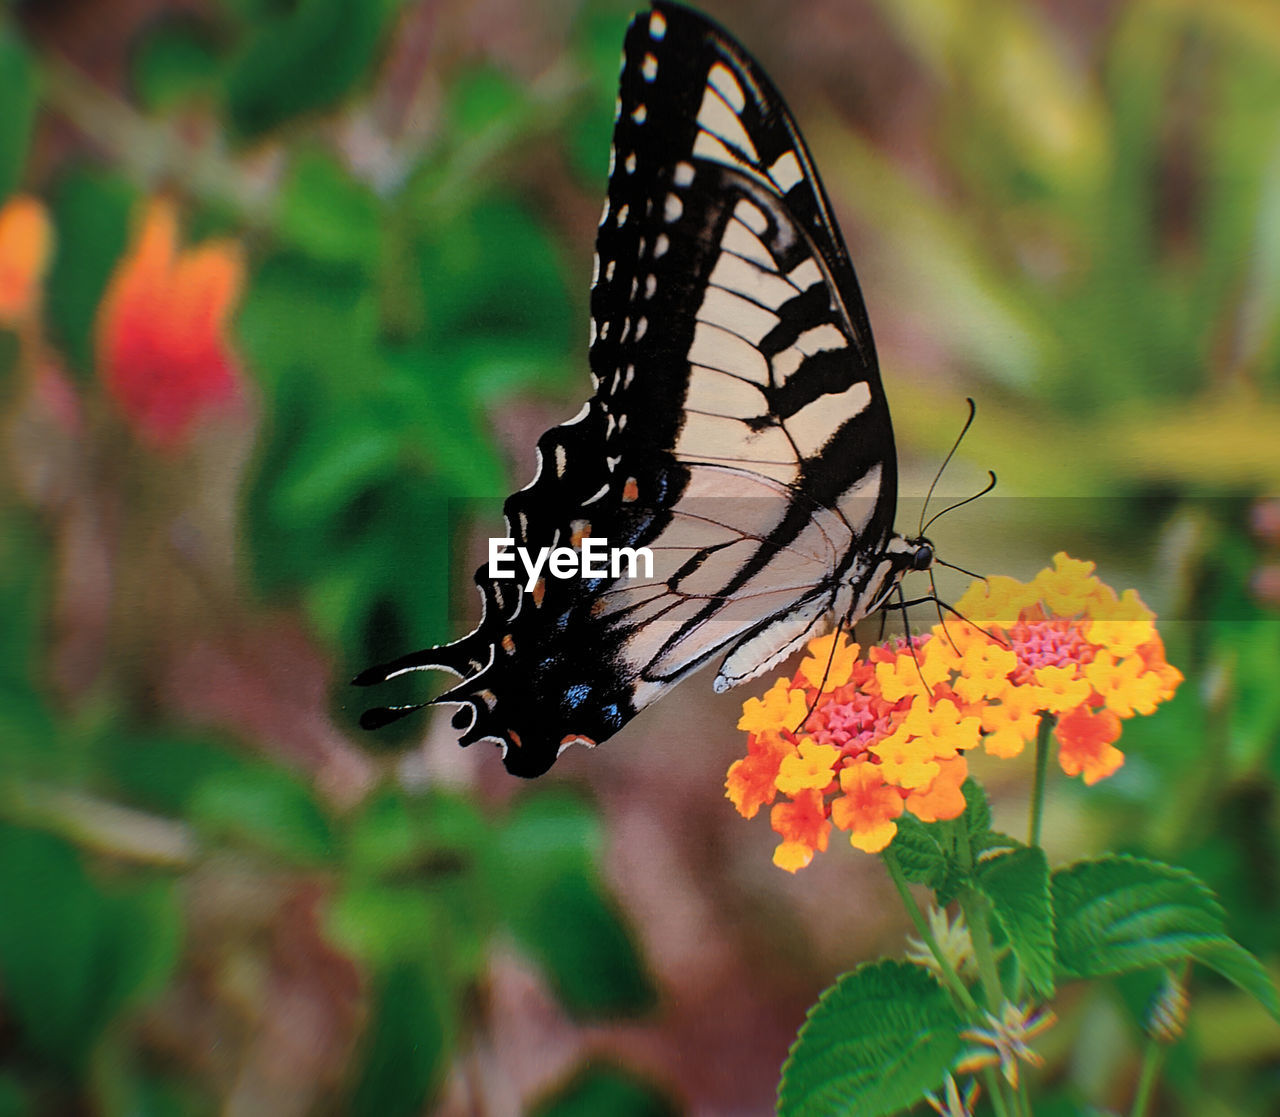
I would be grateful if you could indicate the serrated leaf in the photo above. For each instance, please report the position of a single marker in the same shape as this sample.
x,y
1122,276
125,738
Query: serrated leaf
x,y
872,1045
1230,960
1119,914
1017,884
918,853
977,813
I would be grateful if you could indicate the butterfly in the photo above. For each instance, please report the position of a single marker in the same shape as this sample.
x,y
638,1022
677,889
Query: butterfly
x,y
739,430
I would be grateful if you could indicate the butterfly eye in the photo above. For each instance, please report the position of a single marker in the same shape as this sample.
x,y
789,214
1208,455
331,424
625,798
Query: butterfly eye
x,y
923,558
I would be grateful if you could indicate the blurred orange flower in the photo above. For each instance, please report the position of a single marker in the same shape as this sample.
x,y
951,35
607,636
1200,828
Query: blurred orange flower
x,y
163,350
889,733
26,243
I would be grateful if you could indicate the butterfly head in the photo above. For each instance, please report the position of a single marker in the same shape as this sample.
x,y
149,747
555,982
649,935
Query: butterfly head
x,y
920,555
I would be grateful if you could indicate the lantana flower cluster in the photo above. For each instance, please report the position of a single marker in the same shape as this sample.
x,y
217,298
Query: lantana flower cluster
x,y
888,732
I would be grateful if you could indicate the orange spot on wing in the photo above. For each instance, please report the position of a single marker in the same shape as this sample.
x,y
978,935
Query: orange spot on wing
x,y
539,591
515,737
581,529
508,644
577,739
630,491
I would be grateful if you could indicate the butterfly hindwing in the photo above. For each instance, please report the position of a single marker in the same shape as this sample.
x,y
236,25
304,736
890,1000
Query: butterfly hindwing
x,y
738,429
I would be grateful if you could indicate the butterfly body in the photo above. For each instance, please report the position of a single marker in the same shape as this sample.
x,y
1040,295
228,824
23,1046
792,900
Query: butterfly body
x,y
738,428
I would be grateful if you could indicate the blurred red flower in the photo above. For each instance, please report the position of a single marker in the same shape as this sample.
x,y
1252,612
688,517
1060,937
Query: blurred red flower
x,y
163,350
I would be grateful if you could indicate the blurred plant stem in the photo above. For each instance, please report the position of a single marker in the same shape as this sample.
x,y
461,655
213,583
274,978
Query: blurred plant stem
x,y
98,825
1152,1060
198,163
1043,734
155,151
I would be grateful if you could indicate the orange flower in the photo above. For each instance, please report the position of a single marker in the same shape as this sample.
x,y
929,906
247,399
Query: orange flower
x,y
163,350
891,732
1084,744
752,781
26,243
867,808
943,797
804,828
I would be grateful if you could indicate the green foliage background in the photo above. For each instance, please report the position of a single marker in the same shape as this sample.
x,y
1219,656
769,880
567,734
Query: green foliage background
x,y
1070,216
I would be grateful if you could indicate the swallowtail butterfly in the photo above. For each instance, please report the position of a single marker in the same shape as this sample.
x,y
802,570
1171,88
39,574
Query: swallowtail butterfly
x,y
738,428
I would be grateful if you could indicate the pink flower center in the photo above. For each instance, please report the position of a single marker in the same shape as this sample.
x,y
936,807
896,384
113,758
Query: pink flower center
x,y
851,720
1048,643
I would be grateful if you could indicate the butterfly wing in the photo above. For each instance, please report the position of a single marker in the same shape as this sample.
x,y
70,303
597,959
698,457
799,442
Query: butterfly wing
x,y
738,429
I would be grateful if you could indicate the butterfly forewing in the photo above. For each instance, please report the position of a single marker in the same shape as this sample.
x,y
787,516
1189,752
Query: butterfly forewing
x,y
738,429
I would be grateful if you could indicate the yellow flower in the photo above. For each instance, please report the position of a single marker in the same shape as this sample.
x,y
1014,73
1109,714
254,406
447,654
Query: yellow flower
x,y
1061,688
882,739
984,671
809,767
1068,586
906,761
942,726
780,708
841,663
1127,688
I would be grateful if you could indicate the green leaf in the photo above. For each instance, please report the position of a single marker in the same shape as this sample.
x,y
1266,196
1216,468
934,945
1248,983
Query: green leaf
x,y
264,809
304,60
556,905
1017,884
327,213
598,1089
977,814
18,95
872,1045
407,1047
1119,914
1229,959
176,62
919,854
72,953
91,215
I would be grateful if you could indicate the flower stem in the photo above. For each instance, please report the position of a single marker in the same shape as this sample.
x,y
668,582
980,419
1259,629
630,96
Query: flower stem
x,y
1152,1060
984,951
949,974
994,1084
1047,722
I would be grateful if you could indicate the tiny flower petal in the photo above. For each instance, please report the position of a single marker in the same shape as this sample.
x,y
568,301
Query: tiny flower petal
x,y
867,808
1068,586
1084,744
1061,688
810,767
751,782
906,761
943,798
780,708
802,822
836,667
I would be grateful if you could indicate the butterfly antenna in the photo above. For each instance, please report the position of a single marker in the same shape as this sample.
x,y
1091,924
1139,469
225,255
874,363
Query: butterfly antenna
x,y
379,716
961,569
826,671
991,484
945,462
